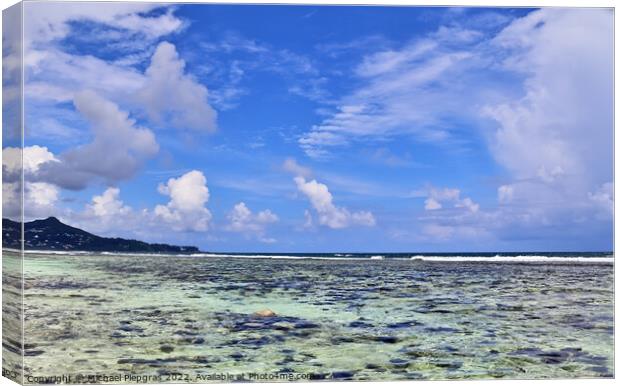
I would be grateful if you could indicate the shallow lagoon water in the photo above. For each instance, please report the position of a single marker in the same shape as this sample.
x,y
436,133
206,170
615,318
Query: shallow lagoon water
x,y
336,319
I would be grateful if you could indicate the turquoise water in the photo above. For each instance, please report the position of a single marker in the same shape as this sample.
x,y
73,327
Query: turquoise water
x,y
358,319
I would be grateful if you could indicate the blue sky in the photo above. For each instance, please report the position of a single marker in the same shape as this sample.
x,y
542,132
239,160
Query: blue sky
x,y
307,128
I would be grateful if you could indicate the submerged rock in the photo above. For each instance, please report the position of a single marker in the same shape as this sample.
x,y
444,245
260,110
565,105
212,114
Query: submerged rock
x,y
343,374
166,348
304,324
360,324
386,339
237,356
399,363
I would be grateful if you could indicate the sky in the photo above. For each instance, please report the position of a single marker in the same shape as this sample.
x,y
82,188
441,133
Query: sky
x,y
315,128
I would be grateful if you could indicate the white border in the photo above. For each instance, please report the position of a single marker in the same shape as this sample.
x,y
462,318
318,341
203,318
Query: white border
x,y
477,3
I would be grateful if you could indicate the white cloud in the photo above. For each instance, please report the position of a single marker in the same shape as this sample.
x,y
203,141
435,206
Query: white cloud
x,y
41,194
12,74
49,21
435,197
468,204
505,194
402,92
314,142
55,76
106,214
39,198
243,220
364,218
604,197
557,139
169,91
431,204
188,196
457,34
329,214
389,61
108,204
322,201
11,200
290,165
551,132
118,150
33,157
237,56
52,75
308,221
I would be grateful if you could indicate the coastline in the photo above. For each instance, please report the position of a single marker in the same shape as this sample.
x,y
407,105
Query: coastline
x,y
490,257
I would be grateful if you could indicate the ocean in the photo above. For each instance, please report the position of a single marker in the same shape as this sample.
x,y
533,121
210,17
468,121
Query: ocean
x,y
376,316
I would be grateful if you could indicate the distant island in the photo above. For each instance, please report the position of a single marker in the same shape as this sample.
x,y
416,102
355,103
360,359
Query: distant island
x,y
52,234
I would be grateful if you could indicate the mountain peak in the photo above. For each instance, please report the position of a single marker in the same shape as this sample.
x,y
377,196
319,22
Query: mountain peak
x,y
52,234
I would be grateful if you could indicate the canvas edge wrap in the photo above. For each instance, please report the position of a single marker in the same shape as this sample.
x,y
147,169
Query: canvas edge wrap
x,y
13,193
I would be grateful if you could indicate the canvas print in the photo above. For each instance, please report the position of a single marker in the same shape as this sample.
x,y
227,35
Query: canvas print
x,y
199,193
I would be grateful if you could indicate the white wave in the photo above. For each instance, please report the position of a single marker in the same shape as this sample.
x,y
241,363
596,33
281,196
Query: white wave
x,y
56,252
289,257
96,253
517,259
349,257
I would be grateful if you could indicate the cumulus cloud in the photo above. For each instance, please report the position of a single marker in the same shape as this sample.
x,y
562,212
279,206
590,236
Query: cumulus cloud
x,y
39,198
40,194
243,220
11,200
106,214
436,197
329,214
557,139
321,199
53,75
108,204
449,217
468,204
33,157
171,93
118,150
550,133
186,209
